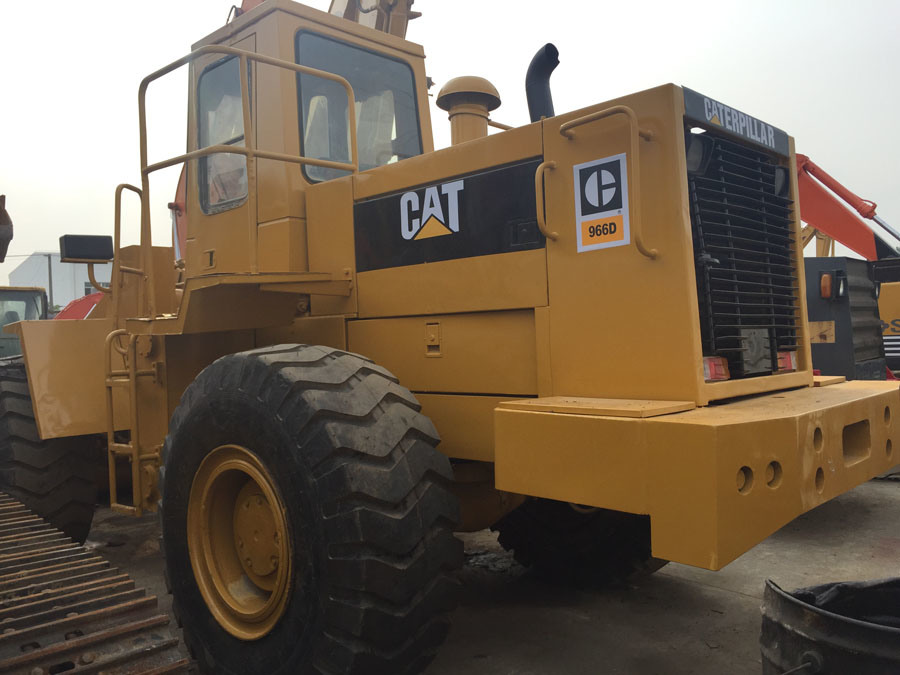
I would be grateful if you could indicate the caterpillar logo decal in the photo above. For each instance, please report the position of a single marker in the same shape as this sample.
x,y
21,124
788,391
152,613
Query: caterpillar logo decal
x,y
706,110
601,204
475,214
439,214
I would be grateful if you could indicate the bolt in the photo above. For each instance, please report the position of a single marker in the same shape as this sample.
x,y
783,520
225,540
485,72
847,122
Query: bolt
x,y
249,563
274,560
259,501
87,657
36,671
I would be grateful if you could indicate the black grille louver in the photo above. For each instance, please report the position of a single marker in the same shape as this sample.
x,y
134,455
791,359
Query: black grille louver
x,y
744,251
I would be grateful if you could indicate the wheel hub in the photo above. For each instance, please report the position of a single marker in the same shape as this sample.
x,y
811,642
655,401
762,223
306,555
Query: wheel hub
x,y
238,544
256,536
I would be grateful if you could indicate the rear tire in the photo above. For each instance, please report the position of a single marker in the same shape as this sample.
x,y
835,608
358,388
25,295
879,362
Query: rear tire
x,y
345,452
55,478
574,546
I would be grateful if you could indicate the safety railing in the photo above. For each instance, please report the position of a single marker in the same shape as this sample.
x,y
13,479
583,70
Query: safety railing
x,y
147,302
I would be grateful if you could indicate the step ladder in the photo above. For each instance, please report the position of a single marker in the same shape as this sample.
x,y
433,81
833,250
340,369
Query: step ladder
x,y
144,461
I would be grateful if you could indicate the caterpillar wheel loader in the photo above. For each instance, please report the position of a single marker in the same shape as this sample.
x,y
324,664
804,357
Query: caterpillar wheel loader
x,y
367,344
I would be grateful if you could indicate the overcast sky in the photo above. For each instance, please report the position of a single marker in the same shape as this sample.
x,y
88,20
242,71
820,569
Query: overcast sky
x,y
825,71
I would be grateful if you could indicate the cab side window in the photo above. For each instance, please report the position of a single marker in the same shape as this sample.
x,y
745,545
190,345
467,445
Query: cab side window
x,y
223,177
384,109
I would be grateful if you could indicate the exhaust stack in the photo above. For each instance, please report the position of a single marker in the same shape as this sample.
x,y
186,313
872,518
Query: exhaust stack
x,y
537,82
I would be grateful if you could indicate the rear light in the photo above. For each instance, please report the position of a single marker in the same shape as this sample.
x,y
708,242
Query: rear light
x,y
825,286
832,285
715,368
787,362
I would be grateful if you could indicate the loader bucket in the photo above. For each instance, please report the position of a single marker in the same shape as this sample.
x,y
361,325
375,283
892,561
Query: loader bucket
x,y
6,229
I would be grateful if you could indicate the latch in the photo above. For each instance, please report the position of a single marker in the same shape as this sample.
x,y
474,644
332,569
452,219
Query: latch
x,y
433,339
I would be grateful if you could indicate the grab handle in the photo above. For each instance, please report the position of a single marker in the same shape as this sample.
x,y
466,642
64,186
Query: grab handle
x,y
636,133
539,199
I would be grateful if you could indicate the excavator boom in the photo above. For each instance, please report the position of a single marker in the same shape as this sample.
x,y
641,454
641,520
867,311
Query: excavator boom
x,y
822,209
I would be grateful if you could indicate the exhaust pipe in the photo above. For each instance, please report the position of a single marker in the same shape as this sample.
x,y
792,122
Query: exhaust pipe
x,y
6,229
537,82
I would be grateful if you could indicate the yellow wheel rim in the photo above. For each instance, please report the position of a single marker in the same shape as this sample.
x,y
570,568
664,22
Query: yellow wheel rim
x,y
238,543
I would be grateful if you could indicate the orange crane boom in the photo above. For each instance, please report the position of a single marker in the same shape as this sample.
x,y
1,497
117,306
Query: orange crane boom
x,y
820,208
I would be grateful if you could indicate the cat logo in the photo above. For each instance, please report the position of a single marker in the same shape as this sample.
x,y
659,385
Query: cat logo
x,y
601,204
433,214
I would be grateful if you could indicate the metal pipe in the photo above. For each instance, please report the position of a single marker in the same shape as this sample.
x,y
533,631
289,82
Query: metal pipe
x,y
888,228
116,280
548,165
50,279
93,279
537,82
250,165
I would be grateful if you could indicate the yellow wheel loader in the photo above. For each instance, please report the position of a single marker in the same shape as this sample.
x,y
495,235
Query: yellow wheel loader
x,y
366,344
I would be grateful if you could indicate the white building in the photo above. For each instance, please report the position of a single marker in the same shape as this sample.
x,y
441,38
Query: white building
x,y
70,280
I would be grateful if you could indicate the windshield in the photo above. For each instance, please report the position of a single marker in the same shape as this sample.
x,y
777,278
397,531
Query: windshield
x,y
385,112
20,306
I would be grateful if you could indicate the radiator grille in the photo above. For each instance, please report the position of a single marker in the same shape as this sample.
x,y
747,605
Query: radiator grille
x,y
743,249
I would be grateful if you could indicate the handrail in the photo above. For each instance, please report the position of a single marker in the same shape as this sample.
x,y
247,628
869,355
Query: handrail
x,y
540,197
566,129
239,150
115,279
249,150
636,132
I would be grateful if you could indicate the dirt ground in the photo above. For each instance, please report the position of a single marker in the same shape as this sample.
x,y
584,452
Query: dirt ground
x,y
679,621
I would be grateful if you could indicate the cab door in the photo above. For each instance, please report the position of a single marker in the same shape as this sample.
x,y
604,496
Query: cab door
x,y
218,190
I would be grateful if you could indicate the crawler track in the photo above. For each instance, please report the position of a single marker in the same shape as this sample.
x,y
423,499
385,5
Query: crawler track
x,y
64,609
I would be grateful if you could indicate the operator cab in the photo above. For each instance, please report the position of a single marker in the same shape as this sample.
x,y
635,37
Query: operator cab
x,y
300,114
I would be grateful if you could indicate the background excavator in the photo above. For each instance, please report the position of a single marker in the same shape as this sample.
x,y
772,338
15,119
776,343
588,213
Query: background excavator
x,y
849,337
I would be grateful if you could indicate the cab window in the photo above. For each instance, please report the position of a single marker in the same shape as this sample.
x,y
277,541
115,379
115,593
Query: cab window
x,y
223,177
21,306
384,109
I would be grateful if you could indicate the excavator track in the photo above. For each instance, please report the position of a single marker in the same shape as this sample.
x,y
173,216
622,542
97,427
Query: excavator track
x,y
64,609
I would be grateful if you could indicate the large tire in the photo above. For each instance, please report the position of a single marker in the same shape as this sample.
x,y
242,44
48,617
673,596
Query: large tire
x,y
578,546
55,478
366,503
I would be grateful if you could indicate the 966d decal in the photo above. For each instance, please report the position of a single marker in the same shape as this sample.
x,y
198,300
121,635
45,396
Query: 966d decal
x,y
601,203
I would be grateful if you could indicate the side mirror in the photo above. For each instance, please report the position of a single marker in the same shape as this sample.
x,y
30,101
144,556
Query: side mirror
x,y
86,248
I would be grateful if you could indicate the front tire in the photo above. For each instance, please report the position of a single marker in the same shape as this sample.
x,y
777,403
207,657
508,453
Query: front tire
x,y
360,492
